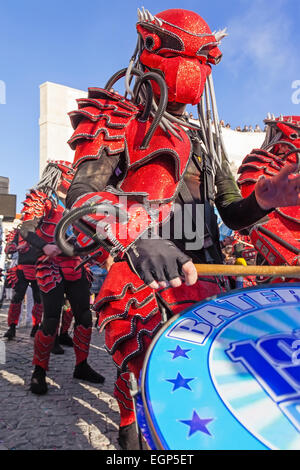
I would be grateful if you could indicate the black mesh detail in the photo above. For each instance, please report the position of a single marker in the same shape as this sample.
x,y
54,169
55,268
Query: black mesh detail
x,y
169,40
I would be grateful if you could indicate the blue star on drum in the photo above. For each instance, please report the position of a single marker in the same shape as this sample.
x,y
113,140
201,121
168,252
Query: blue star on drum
x,y
180,382
197,424
179,352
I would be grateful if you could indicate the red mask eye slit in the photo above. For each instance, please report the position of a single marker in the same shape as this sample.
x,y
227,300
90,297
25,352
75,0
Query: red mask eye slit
x,y
152,42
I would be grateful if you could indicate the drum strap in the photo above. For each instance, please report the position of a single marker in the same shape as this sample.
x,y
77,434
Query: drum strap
x,y
208,241
166,312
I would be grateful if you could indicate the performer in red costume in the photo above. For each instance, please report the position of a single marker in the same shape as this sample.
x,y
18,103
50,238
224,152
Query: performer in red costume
x,y
19,278
139,156
56,276
276,237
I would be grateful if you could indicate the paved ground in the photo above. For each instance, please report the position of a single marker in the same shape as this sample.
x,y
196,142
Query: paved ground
x,y
74,415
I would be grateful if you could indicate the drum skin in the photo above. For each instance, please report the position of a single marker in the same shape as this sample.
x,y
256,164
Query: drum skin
x,y
225,374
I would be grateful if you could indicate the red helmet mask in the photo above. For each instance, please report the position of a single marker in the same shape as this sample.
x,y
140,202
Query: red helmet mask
x,y
180,45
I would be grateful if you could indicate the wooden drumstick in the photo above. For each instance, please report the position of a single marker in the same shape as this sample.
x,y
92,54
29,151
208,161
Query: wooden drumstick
x,y
250,270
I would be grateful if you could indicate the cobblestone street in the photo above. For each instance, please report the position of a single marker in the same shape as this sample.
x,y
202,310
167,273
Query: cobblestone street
x,y
73,415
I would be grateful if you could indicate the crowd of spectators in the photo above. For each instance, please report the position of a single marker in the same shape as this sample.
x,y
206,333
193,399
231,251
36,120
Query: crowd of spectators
x,y
244,129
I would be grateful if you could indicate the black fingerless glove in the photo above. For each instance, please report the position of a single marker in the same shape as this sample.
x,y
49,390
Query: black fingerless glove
x,y
156,259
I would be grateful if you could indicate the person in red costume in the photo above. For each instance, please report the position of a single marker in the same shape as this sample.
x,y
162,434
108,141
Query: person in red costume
x,y
56,275
139,156
276,238
20,277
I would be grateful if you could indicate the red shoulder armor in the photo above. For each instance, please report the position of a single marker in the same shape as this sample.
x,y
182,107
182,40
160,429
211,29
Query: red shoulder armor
x,y
108,121
259,163
99,124
36,205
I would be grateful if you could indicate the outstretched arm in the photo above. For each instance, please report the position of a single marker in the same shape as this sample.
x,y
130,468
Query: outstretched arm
x,y
282,190
236,212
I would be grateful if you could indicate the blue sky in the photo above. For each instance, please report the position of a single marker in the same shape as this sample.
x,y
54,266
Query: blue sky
x,y
81,44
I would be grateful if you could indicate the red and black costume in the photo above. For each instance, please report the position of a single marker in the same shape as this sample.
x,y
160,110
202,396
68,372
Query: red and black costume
x,y
19,278
276,237
56,275
138,157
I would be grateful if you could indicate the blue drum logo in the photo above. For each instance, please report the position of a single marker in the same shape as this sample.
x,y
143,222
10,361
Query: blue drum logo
x,y
226,374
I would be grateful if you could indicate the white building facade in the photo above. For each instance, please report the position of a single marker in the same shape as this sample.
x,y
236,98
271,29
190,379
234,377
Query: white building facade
x,y
56,101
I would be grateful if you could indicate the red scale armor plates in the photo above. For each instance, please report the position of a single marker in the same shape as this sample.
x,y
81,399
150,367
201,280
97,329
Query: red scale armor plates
x,y
277,239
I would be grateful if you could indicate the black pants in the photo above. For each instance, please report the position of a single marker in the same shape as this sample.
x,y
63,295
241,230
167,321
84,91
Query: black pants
x,y
78,294
21,288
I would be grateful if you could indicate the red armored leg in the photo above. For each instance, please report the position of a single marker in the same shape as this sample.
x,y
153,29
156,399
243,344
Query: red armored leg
x,y
122,387
81,342
123,397
42,348
13,316
128,438
14,313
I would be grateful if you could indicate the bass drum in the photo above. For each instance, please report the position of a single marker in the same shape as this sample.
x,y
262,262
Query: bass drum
x,y
225,374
